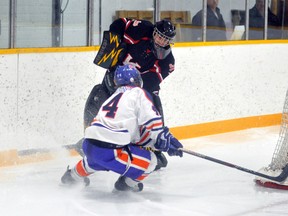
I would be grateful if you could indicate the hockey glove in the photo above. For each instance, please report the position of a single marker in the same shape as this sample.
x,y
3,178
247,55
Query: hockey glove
x,y
167,143
163,140
174,147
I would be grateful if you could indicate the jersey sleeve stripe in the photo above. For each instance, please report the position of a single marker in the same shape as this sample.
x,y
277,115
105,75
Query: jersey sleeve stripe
x,y
100,125
153,120
155,125
129,39
128,23
144,143
144,137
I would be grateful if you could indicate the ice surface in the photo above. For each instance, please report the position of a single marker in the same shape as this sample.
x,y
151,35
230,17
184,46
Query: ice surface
x,y
188,186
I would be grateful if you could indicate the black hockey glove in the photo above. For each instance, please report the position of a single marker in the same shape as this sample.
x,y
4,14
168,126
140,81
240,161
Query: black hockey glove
x,y
167,143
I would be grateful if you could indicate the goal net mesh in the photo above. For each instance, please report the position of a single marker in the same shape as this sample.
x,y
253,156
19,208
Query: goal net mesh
x,y
280,155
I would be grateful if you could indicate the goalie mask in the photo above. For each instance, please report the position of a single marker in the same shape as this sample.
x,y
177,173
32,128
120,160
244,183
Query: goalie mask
x,y
127,75
163,35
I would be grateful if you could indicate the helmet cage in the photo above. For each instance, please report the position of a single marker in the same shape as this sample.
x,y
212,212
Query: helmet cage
x,y
161,39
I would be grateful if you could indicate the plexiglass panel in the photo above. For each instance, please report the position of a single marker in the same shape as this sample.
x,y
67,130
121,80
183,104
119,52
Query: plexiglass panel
x,y
66,22
4,24
46,24
197,22
234,16
221,20
180,13
256,19
74,22
96,31
138,9
33,23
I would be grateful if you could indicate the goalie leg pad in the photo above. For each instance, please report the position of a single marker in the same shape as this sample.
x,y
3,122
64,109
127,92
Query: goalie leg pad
x,y
158,105
96,98
108,81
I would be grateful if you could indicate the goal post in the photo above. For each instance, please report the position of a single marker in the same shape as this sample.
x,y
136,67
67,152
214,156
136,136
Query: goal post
x,y
280,155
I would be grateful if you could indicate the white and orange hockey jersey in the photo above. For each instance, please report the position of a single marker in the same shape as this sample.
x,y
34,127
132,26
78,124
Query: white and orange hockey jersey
x,y
128,116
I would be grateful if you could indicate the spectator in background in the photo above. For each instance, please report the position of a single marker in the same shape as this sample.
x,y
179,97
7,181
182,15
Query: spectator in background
x,y
216,28
235,18
256,22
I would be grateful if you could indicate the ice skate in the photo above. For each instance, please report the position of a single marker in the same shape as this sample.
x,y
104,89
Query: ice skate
x,y
121,185
161,160
68,179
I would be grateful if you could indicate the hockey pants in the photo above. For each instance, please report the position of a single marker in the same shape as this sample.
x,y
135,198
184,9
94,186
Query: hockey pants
x,y
136,163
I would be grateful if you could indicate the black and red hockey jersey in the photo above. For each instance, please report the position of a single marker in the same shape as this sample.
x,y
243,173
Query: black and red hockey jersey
x,y
138,38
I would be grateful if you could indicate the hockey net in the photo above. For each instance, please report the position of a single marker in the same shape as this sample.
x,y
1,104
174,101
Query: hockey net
x,y
280,155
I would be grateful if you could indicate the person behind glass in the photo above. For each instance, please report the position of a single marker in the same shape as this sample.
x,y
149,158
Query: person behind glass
x,y
216,28
147,47
126,122
235,18
257,21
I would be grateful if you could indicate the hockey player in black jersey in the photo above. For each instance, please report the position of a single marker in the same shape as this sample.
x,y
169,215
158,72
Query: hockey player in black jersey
x,y
142,44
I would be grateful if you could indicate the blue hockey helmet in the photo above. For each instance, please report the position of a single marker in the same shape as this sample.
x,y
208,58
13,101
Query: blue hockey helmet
x,y
127,75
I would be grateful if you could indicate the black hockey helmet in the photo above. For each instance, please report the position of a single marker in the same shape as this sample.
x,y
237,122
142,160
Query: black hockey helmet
x,y
163,35
166,30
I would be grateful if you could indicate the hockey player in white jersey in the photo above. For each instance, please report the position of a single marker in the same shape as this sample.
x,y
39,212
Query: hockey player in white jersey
x,y
126,122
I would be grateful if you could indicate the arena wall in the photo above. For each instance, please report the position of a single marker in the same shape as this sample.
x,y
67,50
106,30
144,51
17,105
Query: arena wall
x,y
214,88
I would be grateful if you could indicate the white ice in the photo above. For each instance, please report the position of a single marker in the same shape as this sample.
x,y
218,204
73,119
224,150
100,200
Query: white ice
x,y
188,186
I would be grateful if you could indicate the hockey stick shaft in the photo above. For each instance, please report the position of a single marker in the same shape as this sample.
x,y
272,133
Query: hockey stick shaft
x,y
278,178
77,147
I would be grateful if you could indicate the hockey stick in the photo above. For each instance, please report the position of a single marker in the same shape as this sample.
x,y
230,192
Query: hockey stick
x,y
279,178
77,147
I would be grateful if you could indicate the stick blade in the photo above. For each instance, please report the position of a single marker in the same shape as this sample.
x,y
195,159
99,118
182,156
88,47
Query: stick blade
x,y
269,184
